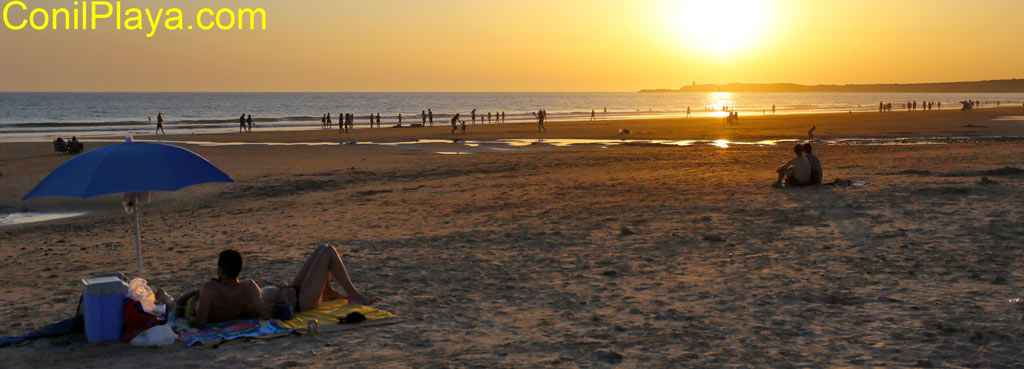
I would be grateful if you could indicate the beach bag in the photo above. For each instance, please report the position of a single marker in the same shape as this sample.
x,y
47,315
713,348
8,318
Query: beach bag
x,y
161,335
137,320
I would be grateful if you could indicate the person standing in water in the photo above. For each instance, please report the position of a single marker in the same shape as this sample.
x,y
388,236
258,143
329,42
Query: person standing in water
x,y
378,120
593,115
503,117
687,111
160,123
472,115
330,124
248,121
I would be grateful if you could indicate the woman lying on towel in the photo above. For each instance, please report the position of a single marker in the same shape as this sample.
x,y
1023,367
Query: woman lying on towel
x,y
226,298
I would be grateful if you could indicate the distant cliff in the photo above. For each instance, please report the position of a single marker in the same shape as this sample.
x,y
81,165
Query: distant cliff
x,y
1002,85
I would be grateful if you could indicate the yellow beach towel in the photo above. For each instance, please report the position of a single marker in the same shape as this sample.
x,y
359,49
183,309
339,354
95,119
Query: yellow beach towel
x,y
329,312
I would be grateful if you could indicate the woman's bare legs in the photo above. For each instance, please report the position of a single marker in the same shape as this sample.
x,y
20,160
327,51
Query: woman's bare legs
x,y
314,279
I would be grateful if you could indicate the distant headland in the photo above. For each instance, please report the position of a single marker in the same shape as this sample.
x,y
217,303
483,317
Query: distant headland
x,y
993,86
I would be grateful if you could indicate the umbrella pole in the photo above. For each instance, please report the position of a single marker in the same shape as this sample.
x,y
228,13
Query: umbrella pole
x,y
138,242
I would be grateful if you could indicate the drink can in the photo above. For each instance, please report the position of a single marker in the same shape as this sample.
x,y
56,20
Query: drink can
x,y
313,327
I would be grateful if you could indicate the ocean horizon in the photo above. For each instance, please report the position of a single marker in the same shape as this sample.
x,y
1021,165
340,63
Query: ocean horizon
x,y
37,115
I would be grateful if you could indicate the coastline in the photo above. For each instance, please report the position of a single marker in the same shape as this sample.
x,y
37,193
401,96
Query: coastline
x,y
520,258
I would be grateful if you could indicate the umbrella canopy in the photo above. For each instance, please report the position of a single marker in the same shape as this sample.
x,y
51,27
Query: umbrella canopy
x,y
131,167
128,167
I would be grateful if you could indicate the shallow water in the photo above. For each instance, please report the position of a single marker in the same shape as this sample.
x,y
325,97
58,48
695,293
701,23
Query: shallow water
x,y
48,115
518,144
36,217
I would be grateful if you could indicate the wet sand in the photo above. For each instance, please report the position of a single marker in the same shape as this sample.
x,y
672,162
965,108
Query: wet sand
x,y
574,256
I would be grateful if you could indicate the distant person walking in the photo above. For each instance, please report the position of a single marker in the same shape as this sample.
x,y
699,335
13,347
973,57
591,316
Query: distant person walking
x,y
810,133
329,123
455,124
503,117
248,121
472,115
399,119
593,115
430,117
241,123
423,115
488,117
160,123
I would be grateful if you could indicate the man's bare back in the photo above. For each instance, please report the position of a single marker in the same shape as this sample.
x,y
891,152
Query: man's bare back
x,y
221,301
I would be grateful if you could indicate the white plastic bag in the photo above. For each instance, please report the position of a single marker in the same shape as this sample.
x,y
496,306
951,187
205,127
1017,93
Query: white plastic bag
x,y
139,290
161,335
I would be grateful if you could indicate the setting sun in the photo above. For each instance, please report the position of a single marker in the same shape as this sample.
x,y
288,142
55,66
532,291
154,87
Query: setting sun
x,y
720,27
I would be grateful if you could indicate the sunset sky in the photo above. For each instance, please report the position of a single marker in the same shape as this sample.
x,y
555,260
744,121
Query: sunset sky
x,y
529,45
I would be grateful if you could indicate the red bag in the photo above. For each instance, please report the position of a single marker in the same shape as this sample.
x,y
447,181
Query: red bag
x,y
137,320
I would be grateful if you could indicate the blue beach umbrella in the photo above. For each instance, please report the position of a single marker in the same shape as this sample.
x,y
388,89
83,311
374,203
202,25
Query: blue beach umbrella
x,y
129,168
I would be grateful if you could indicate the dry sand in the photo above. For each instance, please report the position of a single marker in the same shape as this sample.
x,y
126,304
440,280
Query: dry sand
x,y
523,259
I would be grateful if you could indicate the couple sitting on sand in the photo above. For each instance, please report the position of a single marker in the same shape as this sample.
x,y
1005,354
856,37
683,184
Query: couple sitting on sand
x,y
803,170
226,298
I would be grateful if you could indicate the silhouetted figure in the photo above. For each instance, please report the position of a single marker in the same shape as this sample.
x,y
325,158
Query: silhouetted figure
x,y
75,147
329,123
687,111
810,133
160,123
488,117
241,123
503,117
455,123
430,117
540,121
378,120
248,121
593,115
423,114
60,146
323,121
473,116
773,109
399,119
881,106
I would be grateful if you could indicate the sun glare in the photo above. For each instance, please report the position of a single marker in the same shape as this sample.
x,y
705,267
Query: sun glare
x,y
720,27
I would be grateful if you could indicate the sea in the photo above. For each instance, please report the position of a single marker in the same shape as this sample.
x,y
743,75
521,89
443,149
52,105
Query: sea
x,y
41,116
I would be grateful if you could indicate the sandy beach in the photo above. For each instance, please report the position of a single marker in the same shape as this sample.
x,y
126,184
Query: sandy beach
x,y
580,256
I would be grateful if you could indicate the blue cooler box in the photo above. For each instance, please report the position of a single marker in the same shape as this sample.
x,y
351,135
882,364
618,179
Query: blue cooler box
x,y
103,308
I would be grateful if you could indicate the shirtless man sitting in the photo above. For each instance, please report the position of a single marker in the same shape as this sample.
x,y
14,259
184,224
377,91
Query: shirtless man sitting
x,y
227,298
796,172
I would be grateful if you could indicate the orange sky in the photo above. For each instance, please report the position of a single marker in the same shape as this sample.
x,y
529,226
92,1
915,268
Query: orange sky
x,y
529,45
